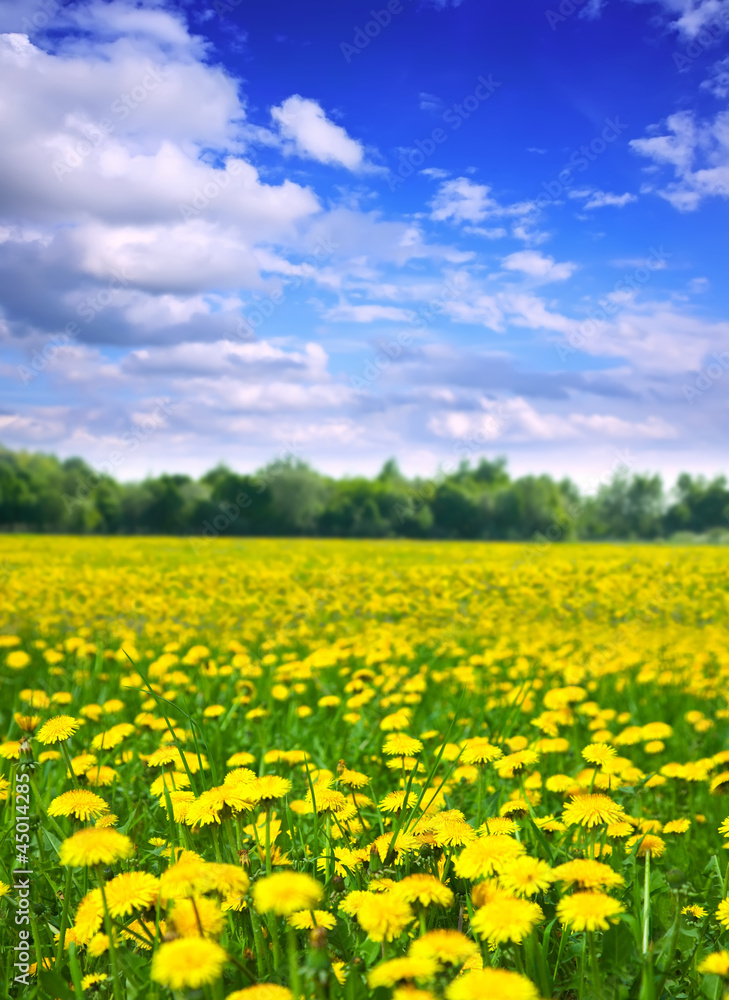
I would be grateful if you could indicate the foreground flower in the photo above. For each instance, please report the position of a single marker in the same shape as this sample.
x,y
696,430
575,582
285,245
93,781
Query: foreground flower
x,y
478,750
383,916
495,984
647,842
588,873
446,946
588,911
591,810
487,855
424,889
79,803
131,891
262,991
722,913
716,964
201,917
389,973
506,918
286,892
402,745
526,876
58,729
305,920
188,963
95,847
599,753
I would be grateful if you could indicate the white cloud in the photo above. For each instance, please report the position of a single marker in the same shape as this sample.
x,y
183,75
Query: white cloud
x,y
594,198
690,17
698,152
717,83
536,265
312,135
347,312
461,200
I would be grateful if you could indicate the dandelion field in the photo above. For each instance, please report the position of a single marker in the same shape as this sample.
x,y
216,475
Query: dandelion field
x,y
271,769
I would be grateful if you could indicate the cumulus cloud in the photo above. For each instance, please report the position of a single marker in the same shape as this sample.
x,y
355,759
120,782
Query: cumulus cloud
x,y
697,152
461,200
690,17
536,265
314,136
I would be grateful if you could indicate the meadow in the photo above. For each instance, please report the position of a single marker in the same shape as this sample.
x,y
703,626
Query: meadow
x,y
271,769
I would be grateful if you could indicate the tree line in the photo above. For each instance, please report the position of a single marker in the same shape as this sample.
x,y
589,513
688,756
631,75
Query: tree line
x,y
40,493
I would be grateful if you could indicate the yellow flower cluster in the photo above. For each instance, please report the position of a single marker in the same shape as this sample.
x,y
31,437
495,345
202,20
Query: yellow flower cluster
x,y
274,770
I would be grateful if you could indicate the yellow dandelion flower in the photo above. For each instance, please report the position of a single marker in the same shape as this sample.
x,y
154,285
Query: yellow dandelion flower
x,y
383,916
486,856
722,913
402,745
93,979
353,779
449,947
286,892
506,918
195,917
591,810
262,991
79,803
305,920
95,847
647,842
89,917
131,891
697,912
677,825
599,754
58,729
526,876
478,750
188,963
588,911
716,964
186,877
501,983
498,824
588,874
720,783
410,967
424,889
268,788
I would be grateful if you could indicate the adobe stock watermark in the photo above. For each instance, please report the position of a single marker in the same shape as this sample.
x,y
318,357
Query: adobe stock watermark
x,y
96,133
579,160
711,32
22,873
88,309
562,525
231,510
420,493
565,9
706,378
577,339
379,19
389,352
131,440
264,308
202,196
44,14
412,159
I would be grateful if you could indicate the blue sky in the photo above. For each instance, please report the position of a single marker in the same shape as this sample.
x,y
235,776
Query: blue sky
x,y
236,231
